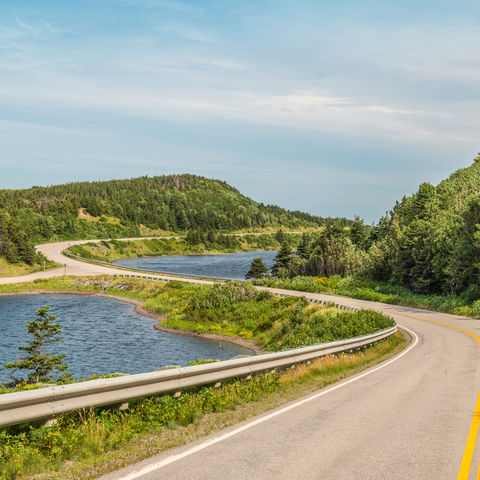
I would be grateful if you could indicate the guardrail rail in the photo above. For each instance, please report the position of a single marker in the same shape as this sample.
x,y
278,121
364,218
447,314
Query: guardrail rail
x,y
48,403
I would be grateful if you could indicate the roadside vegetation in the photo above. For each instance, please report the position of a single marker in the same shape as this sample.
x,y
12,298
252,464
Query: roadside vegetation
x,y
92,442
423,253
21,268
465,304
17,254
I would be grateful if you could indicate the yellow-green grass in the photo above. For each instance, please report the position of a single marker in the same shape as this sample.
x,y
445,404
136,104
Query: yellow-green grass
x,y
18,269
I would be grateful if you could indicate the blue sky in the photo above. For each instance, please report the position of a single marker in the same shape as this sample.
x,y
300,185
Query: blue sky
x,y
336,108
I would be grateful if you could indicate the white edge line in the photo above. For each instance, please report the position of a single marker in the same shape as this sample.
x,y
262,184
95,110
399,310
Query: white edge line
x,y
175,458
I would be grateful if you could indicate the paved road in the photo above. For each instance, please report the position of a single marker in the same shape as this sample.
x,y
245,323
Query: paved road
x,y
413,418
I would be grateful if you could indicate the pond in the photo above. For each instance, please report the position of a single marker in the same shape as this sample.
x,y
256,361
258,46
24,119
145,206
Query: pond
x,y
102,335
233,266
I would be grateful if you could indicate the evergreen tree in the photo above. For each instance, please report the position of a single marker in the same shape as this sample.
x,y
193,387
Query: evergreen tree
x,y
174,203
41,363
358,232
304,248
257,269
280,236
282,260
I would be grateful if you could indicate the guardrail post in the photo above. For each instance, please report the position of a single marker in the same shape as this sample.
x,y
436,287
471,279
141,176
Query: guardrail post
x,y
45,422
119,406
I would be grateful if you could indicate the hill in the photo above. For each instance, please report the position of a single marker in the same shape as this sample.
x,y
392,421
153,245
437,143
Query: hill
x,y
130,208
174,203
429,242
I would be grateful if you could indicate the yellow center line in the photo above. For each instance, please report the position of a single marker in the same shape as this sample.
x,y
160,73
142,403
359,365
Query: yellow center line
x,y
468,332
466,464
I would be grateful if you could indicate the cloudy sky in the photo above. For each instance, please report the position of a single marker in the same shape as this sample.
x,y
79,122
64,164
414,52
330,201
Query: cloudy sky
x,y
336,108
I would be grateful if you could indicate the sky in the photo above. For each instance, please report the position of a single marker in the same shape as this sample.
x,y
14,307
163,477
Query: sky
x,y
334,108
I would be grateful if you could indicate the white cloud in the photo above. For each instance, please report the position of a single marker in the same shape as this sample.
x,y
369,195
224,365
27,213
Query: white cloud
x,y
307,109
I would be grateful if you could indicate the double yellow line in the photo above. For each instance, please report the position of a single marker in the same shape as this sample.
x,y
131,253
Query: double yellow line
x,y
464,472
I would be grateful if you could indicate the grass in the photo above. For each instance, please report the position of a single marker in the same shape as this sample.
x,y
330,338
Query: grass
x,y
467,304
92,442
18,269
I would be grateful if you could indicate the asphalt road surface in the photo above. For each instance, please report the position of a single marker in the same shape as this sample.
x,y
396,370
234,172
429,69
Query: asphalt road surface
x,y
413,417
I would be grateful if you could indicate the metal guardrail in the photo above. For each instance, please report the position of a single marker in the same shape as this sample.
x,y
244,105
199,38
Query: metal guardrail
x,y
47,403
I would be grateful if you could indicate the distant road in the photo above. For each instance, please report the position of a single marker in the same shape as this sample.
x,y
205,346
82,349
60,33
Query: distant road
x,y
414,418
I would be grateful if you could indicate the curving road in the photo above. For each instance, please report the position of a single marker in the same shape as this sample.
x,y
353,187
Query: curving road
x,y
415,417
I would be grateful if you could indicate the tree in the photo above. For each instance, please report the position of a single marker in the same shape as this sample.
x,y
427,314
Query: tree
x,y
358,232
280,236
257,269
303,249
282,259
42,363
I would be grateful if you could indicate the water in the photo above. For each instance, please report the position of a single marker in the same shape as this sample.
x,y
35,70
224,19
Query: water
x,y
233,266
102,335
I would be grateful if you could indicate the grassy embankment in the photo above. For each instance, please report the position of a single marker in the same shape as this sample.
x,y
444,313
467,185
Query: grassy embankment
x,y
232,309
89,443
107,251
366,289
17,269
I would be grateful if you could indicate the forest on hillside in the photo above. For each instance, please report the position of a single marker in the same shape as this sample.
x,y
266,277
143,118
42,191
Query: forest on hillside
x,y
132,208
429,242
174,203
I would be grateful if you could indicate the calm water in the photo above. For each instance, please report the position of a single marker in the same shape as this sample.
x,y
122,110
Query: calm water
x,y
233,266
102,335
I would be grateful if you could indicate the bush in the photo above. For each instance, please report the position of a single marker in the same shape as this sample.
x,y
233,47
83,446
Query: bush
x,y
471,294
223,295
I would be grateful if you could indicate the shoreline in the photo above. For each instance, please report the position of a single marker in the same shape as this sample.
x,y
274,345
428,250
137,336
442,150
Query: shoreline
x,y
141,310
112,262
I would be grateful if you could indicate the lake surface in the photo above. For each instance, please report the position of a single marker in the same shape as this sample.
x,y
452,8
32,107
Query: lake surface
x,y
233,266
102,335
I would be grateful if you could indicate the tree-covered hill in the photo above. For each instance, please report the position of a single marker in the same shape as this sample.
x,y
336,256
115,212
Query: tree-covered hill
x,y
429,242
128,208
